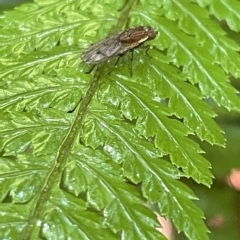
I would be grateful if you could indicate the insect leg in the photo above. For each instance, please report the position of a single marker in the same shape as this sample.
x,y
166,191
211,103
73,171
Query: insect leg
x,y
115,64
131,65
147,47
91,69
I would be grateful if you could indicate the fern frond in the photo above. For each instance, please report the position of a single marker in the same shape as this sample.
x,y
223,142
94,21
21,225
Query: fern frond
x,y
227,10
81,152
199,45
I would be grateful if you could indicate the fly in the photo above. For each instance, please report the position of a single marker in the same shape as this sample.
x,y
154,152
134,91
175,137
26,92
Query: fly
x,y
118,44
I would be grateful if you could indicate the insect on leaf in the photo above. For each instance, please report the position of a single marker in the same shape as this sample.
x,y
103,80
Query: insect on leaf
x,y
118,44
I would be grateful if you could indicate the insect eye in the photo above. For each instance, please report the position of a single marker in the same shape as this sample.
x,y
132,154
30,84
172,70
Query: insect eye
x,y
152,34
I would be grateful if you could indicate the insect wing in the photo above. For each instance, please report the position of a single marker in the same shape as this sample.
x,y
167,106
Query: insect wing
x,y
102,50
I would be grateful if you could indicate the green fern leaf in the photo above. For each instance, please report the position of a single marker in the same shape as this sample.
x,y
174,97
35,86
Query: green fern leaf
x,y
84,156
228,11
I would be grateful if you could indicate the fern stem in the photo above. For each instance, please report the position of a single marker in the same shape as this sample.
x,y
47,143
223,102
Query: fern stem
x,y
54,176
122,22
